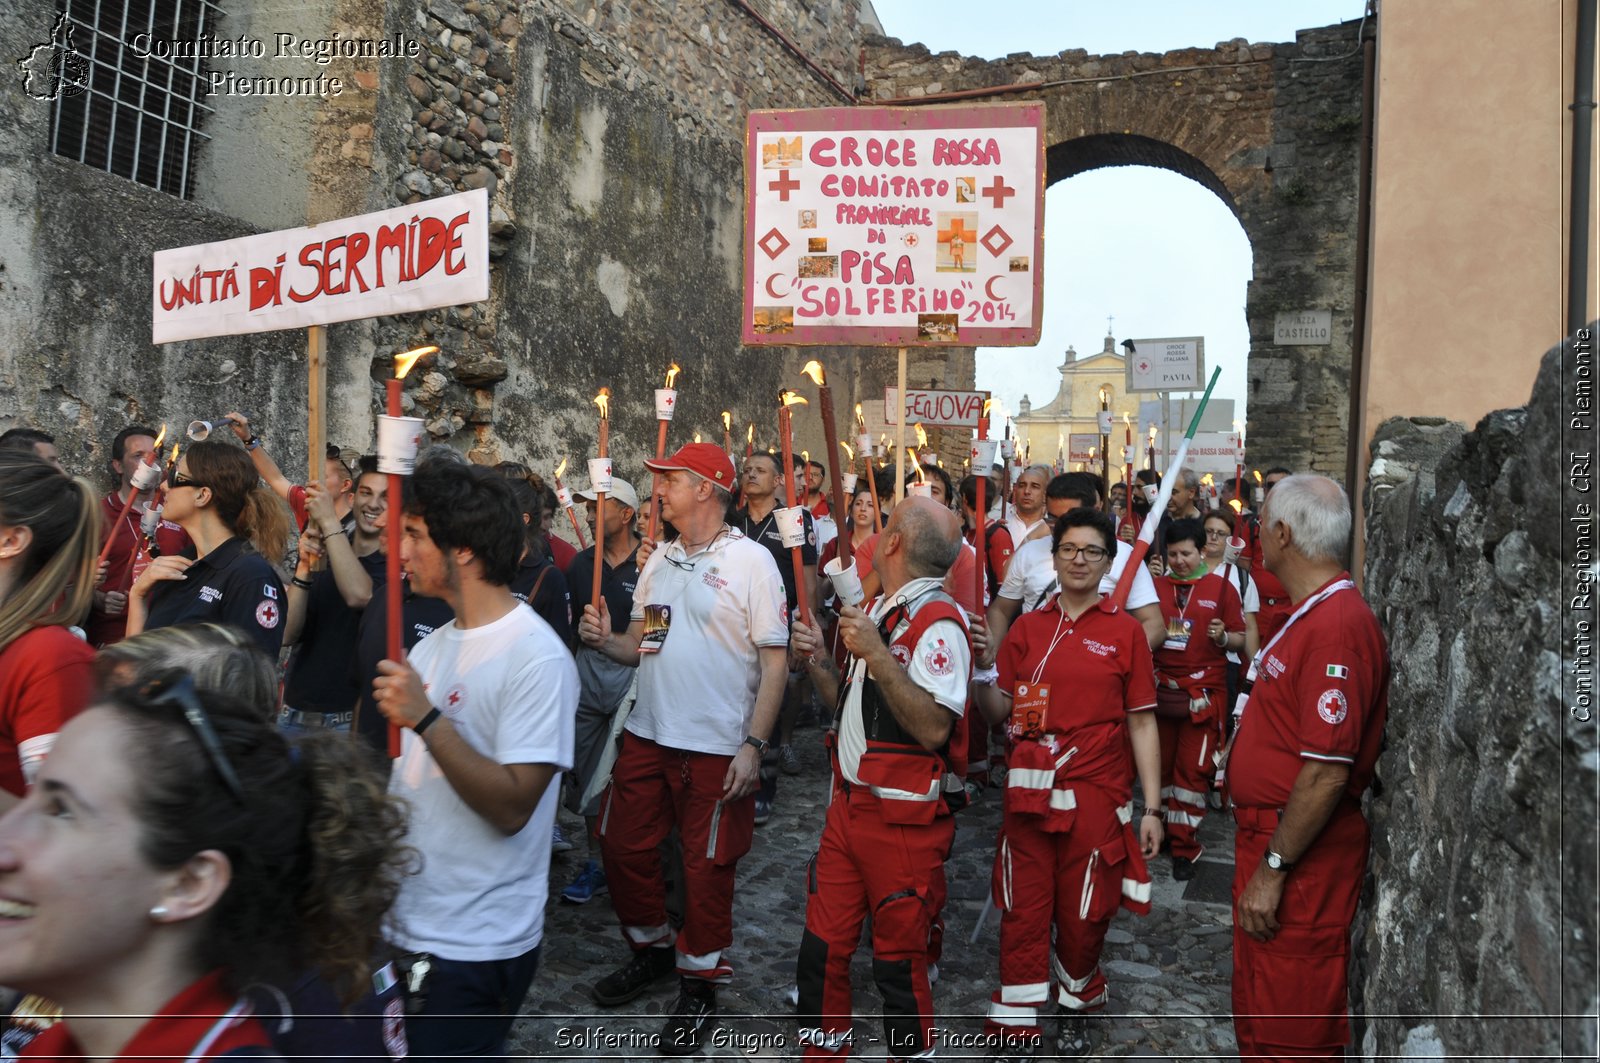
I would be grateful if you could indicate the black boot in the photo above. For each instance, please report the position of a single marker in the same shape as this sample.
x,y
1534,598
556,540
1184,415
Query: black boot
x,y
647,967
1074,1036
693,1015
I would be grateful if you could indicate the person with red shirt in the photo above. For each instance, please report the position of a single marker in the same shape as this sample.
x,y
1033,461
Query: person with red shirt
x,y
49,532
1077,695
1303,752
130,552
1275,602
178,826
1205,620
816,482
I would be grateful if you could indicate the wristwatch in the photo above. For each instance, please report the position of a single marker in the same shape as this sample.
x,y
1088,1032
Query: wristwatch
x,y
761,747
1278,863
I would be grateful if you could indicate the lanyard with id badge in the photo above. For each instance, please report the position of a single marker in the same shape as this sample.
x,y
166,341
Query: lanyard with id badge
x,y
1179,627
1220,758
658,617
1030,703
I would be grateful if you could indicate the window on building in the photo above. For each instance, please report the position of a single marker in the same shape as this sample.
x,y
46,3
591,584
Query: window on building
x,y
136,110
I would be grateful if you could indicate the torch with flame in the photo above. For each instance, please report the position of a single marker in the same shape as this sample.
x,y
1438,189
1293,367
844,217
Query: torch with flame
x,y
395,648
786,401
1238,465
1260,493
145,478
727,432
666,403
750,439
564,496
830,434
599,478
1150,449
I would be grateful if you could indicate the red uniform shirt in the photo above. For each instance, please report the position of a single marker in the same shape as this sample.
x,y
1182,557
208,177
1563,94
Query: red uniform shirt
x,y
1276,605
125,537
960,582
1098,673
203,1021
46,678
998,545
1201,661
1322,693
562,552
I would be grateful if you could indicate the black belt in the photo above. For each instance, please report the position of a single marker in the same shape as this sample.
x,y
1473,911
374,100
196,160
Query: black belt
x,y
311,718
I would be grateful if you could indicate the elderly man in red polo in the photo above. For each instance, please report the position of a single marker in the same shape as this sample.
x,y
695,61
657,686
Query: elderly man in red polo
x,y
1303,753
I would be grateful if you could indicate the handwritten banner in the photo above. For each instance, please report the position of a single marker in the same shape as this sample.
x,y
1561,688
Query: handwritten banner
x,y
888,226
416,257
934,408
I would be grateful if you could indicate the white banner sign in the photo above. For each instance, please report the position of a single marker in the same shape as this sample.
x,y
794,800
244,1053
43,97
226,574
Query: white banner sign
x,y
1303,328
1173,364
933,408
416,257
1210,452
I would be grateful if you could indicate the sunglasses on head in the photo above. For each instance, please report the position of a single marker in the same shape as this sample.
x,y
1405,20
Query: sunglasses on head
x,y
181,693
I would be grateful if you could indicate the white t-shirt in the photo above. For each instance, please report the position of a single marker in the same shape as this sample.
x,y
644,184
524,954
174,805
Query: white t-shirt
x,y
727,601
1031,577
1020,528
510,688
940,665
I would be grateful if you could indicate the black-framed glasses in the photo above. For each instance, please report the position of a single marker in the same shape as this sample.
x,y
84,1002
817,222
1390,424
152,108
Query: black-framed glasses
x,y
1069,552
181,692
1213,533
180,480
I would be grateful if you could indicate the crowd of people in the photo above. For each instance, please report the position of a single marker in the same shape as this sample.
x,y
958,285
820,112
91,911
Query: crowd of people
x,y
197,707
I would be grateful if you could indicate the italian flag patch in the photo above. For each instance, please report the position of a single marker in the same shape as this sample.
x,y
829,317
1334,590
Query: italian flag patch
x,y
1338,671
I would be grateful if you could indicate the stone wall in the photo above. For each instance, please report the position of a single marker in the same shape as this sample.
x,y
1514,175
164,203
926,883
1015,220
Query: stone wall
x,y
1270,128
1482,891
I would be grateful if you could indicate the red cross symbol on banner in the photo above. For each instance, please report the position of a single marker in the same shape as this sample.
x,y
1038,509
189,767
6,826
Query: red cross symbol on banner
x,y
784,185
999,191
957,228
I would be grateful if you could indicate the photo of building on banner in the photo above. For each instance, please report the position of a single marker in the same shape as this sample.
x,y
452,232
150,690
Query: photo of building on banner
x,y
894,227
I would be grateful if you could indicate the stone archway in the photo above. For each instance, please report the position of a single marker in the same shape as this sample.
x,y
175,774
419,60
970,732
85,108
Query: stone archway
x,y
1270,128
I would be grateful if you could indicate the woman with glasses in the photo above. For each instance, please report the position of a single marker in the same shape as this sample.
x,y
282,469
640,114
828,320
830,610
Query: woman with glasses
x,y
1204,621
1076,682
49,534
239,529
177,855
1220,525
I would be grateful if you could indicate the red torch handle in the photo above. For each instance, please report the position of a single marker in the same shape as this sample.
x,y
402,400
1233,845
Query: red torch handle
x,y
655,477
830,432
982,516
801,597
395,649
600,520
111,533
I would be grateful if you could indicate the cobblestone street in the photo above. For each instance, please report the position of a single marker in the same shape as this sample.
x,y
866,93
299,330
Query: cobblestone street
x,y
1169,972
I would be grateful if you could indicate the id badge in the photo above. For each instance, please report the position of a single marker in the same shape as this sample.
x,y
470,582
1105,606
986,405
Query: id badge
x,y
1030,709
657,620
1177,634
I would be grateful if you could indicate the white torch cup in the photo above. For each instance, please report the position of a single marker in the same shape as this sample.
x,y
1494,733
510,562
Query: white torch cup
x,y
1231,552
600,475
1150,492
792,526
398,441
564,496
1008,448
849,481
666,402
922,490
983,455
146,476
846,581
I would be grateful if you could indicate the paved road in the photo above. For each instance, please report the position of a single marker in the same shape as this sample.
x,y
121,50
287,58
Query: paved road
x,y
1169,971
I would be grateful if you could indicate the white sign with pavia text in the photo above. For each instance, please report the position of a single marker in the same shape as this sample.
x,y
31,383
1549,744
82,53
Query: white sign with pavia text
x,y
1176,363
416,257
933,408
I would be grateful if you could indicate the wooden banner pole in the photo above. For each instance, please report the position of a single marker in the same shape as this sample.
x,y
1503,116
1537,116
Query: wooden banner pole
x,y
316,388
900,432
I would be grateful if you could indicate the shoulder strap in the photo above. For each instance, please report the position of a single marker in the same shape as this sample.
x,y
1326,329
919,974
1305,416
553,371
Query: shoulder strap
x,y
534,593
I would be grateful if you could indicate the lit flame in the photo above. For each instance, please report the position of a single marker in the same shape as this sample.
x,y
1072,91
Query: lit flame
x,y
1092,451
562,467
750,434
922,437
159,438
813,370
1258,477
805,456
1152,435
603,400
727,421
697,437
921,479
1105,393
174,456
861,422
672,374
403,362
791,398
849,451
1206,480
1127,422
1238,506
988,404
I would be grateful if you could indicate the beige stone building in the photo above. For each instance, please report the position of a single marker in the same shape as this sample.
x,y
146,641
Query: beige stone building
x,y
1046,432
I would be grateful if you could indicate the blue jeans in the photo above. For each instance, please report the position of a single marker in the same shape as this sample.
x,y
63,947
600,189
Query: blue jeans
x,y
469,1007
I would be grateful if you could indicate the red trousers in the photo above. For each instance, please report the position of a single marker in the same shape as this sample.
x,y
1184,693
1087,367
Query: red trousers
x,y
654,788
865,865
1071,881
1187,749
1290,994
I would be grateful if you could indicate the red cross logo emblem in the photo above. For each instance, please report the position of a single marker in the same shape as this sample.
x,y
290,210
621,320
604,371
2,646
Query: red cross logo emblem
x,y
267,614
784,185
940,660
454,698
998,191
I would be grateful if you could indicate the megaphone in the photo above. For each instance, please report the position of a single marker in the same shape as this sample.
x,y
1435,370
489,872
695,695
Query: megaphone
x,y
200,431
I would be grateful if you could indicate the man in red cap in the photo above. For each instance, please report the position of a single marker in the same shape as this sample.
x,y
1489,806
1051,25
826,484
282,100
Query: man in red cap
x,y
709,633
1302,755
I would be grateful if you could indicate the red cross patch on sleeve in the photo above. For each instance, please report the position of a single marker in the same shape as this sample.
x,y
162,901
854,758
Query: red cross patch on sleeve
x,y
267,614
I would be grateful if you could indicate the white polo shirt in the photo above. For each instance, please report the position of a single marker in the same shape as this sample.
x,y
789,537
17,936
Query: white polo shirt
x,y
1031,577
727,602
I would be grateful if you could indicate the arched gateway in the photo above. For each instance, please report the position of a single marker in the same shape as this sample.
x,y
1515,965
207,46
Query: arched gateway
x,y
1272,129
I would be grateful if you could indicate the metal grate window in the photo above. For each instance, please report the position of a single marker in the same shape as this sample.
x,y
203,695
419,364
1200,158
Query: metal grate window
x,y
138,111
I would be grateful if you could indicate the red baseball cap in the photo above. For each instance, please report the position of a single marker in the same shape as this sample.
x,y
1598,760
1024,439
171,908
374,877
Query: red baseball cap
x,y
702,459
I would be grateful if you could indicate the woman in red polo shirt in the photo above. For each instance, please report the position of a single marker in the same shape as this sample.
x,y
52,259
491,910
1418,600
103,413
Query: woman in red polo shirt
x,y
1204,621
49,532
1076,676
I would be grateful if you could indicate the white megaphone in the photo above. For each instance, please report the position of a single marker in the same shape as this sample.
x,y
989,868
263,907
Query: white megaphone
x,y
200,431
